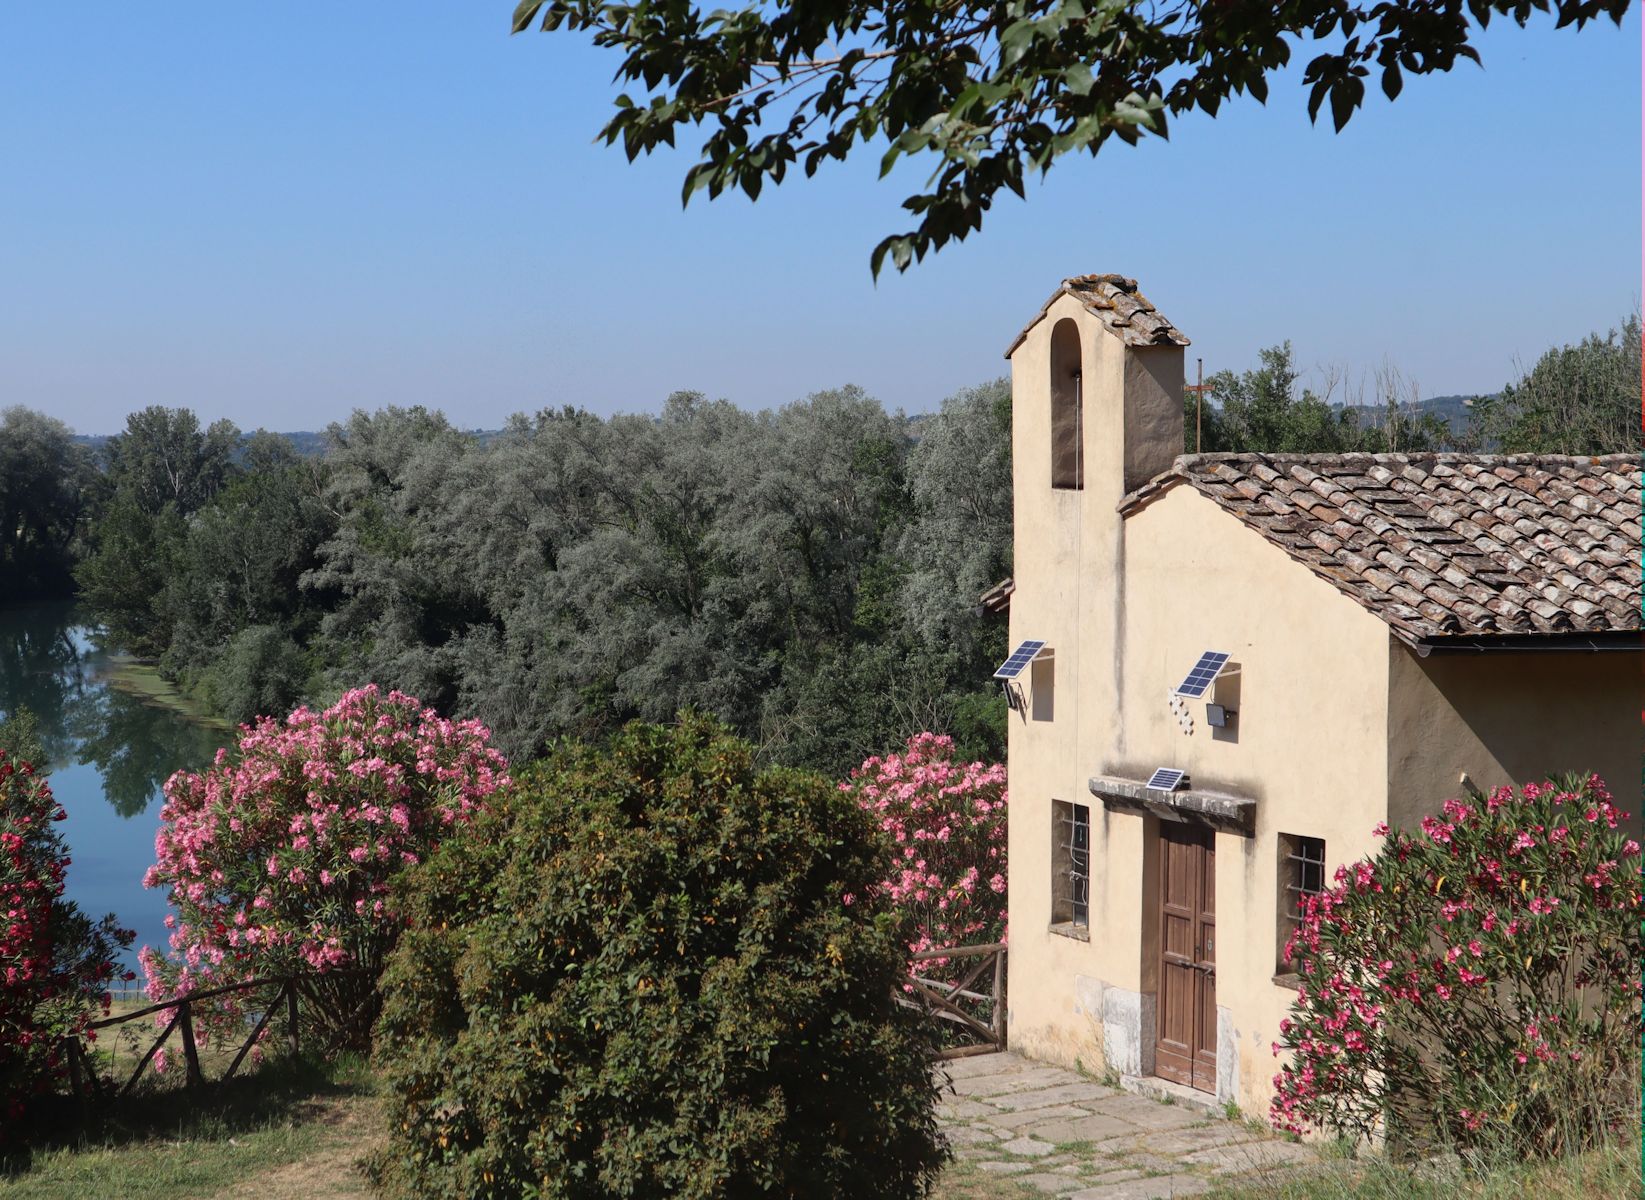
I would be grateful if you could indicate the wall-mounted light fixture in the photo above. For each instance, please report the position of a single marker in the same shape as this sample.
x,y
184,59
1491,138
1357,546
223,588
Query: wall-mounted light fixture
x,y
1219,716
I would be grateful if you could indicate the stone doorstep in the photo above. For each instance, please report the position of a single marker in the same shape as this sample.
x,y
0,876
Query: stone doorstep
x,y
1156,1088
1146,1114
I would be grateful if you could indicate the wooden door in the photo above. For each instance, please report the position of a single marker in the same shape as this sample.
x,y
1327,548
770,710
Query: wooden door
x,y
1187,1046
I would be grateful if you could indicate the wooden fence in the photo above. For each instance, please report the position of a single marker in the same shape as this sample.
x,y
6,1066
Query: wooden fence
x,y
974,1015
83,1075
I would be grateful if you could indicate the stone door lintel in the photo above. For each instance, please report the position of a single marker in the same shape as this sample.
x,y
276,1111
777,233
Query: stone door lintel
x,y
1220,810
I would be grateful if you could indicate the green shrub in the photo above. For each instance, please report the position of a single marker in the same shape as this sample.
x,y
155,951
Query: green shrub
x,y
259,672
635,977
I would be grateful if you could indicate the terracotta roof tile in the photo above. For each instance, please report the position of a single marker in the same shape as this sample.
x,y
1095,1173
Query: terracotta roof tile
x,y
1448,545
1123,310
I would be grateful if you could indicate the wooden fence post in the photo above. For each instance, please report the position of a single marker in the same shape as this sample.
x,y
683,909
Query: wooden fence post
x,y
999,998
191,1053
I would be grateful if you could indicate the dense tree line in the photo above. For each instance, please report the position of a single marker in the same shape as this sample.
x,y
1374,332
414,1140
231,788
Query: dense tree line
x,y
47,484
808,575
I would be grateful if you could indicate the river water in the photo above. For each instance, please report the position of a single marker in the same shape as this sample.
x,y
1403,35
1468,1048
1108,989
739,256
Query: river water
x,y
109,751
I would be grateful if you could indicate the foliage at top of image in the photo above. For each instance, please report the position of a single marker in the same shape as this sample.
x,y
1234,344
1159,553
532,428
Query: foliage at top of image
x,y
636,975
278,858
1475,985
993,91
55,963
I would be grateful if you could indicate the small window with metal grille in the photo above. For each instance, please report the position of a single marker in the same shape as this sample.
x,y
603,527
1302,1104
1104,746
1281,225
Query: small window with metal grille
x,y
1301,874
1070,866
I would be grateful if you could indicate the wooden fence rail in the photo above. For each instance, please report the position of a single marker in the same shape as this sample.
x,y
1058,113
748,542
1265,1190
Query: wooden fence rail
x,y
946,999
83,1077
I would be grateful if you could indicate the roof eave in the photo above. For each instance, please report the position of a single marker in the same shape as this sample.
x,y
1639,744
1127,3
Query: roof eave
x,y
1609,641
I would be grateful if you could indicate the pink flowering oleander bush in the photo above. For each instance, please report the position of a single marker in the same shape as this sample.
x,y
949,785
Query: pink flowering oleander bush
x,y
279,857
1476,983
947,820
55,964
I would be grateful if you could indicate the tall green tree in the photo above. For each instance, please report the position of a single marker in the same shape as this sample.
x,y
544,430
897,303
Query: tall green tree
x,y
958,542
162,469
232,596
45,482
1581,399
131,561
402,593
164,458
991,91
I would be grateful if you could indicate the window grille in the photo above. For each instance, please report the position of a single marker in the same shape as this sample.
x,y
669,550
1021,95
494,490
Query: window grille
x,y
1071,864
1302,874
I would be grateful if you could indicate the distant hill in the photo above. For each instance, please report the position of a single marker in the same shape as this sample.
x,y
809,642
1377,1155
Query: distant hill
x,y
1455,411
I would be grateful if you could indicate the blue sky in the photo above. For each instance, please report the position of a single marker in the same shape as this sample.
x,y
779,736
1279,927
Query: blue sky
x,y
277,213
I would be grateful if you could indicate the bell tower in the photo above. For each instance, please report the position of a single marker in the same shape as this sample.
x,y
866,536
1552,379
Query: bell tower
x,y
1096,389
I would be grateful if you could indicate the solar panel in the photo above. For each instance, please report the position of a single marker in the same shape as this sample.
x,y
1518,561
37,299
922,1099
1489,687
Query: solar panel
x,y
1208,667
1166,779
1019,660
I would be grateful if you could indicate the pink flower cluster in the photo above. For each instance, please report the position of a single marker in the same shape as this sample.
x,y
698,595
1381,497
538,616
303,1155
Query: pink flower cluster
x,y
1494,956
54,965
279,857
947,822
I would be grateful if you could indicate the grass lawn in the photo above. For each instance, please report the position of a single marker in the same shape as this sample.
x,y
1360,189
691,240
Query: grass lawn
x,y
1612,1172
297,1131
292,1131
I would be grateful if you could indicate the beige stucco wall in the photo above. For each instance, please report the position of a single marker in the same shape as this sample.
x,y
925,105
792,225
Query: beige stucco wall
x,y
1310,749
1510,718
1308,744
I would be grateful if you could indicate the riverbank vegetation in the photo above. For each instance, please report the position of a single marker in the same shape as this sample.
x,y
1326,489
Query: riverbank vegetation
x,y
809,575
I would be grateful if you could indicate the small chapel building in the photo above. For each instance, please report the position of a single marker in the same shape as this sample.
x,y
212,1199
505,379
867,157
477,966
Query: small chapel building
x,y
1230,668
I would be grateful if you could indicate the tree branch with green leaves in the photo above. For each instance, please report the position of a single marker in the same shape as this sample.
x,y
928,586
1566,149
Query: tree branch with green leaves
x,y
992,90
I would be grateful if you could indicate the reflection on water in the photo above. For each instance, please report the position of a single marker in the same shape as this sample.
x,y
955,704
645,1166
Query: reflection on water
x,y
109,753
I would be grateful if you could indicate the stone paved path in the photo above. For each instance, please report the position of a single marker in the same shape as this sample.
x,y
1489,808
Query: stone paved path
x,y
1063,1134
